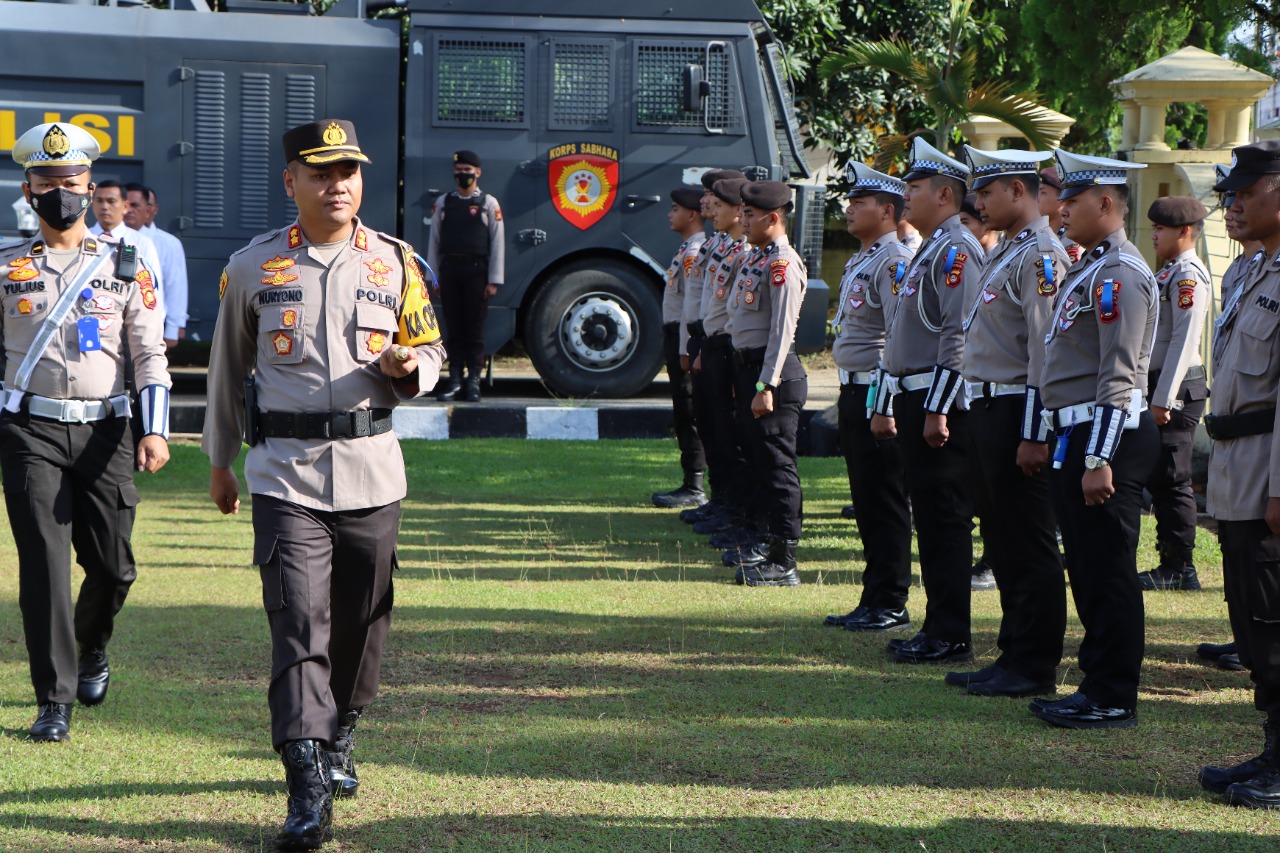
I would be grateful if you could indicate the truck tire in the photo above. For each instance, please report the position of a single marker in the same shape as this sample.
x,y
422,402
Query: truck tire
x,y
595,329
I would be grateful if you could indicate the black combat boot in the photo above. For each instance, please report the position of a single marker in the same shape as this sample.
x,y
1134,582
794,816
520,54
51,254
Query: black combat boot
x,y
471,390
1219,779
94,676
690,493
1182,577
778,570
451,390
309,822
342,768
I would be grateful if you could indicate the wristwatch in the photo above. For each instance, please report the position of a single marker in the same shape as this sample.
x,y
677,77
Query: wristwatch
x,y
1093,463
761,388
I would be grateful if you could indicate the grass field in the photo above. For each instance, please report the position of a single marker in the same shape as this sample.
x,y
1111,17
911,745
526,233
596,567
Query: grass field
x,y
571,670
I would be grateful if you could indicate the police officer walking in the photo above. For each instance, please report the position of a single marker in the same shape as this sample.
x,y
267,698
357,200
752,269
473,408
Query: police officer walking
x,y
1006,439
70,303
467,248
1244,483
869,292
916,395
1177,386
1093,386
326,303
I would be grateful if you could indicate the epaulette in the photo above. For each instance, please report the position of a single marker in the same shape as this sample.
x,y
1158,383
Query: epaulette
x,y
258,241
1137,264
15,251
1048,243
395,241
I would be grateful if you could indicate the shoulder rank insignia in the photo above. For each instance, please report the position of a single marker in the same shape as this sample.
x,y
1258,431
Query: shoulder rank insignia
x,y
377,267
278,263
1186,293
1022,235
278,278
362,240
779,269
295,236
955,265
222,284
1105,297
23,274
688,262
1045,285
20,262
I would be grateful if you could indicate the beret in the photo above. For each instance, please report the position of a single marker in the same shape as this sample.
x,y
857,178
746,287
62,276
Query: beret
x,y
710,177
471,158
766,195
1050,176
969,206
1176,211
689,197
729,190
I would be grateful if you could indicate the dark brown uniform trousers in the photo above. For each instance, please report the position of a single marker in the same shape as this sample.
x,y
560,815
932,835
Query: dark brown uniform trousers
x,y
1251,574
65,485
326,587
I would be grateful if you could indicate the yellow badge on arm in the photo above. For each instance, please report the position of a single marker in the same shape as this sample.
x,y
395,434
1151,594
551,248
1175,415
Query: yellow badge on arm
x,y
222,285
417,318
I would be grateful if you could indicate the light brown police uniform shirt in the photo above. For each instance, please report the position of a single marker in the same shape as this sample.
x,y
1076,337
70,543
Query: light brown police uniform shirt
x,y
314,330
1093,354
677,287
1183,285
721,273
490,213
766,304
869,290
1245,472
128,314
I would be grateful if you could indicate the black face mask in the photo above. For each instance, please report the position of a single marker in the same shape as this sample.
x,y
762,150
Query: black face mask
x,y
60,208
465,179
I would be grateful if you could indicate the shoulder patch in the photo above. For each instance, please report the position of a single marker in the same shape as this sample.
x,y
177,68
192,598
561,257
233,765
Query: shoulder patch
x,y
955,267
1186,293
1104,295
778,268
222,284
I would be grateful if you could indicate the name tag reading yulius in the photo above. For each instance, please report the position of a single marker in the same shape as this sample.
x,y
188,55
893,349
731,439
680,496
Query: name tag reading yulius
x,y
88,331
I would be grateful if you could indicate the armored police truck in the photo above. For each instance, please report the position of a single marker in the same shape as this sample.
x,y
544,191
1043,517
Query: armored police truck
x,y
584,121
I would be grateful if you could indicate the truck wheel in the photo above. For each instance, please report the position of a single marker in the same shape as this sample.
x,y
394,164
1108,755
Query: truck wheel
x,y
595,330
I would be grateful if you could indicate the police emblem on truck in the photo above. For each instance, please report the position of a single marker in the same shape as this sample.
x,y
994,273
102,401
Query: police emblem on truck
x,y
584,181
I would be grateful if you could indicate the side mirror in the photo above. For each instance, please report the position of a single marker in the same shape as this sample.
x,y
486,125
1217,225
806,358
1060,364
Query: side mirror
x,y
695,89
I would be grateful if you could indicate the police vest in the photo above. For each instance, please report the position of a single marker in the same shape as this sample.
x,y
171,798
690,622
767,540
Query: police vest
x,y
463,230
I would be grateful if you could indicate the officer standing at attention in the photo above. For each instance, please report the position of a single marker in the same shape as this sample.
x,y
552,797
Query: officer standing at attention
x,y
772,385
1093,386
467,247
330,323
71,304
917,388
1177,387
1005,437
868,297
685,218
1052,206
1244,467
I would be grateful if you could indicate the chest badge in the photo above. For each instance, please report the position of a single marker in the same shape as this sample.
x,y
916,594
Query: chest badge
x,y
20,262
989,297
289,318
855,304
282,343
909,291
377,342
749,297
23,274
278,263
278,278
24,306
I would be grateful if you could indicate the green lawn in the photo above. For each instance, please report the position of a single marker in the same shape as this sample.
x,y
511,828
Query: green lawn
x,y
570,669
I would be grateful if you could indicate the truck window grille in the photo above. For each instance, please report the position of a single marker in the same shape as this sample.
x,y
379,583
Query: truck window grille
x,y
581,85
255,138
786,127
210,148
806,228
480,81
659,76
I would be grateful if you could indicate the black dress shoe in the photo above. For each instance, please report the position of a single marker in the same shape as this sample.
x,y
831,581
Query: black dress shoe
x,y
839,621
1260,792
309,821
1231,662
451,388
1078,711
769,573
1183,578
736,538
934,651
1008,683
964,679
849,513
895,644
881,619
94,676
53,722
717,523
342,767
746,555
1223,654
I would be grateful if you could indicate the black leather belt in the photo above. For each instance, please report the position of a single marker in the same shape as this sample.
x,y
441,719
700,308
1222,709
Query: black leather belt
x,y
750,355
1194,372
720,340
1227,427
668,328
358,424
695,329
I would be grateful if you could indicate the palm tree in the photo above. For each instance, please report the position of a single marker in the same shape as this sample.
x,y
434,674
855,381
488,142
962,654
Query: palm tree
x,y
947,87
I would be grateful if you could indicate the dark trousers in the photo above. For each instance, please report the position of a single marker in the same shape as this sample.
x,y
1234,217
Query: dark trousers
x,y
326,587
1102,547
68,485
1018,538
692,457
772,444
463,309
1172,501
718,426
943,513
704,422
1251,572
878,485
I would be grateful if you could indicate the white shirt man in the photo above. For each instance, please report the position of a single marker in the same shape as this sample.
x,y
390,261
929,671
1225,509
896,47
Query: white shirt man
x,y
140,214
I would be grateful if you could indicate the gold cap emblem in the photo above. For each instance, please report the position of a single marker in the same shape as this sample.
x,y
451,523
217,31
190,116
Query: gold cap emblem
x,y
56,143
334,135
